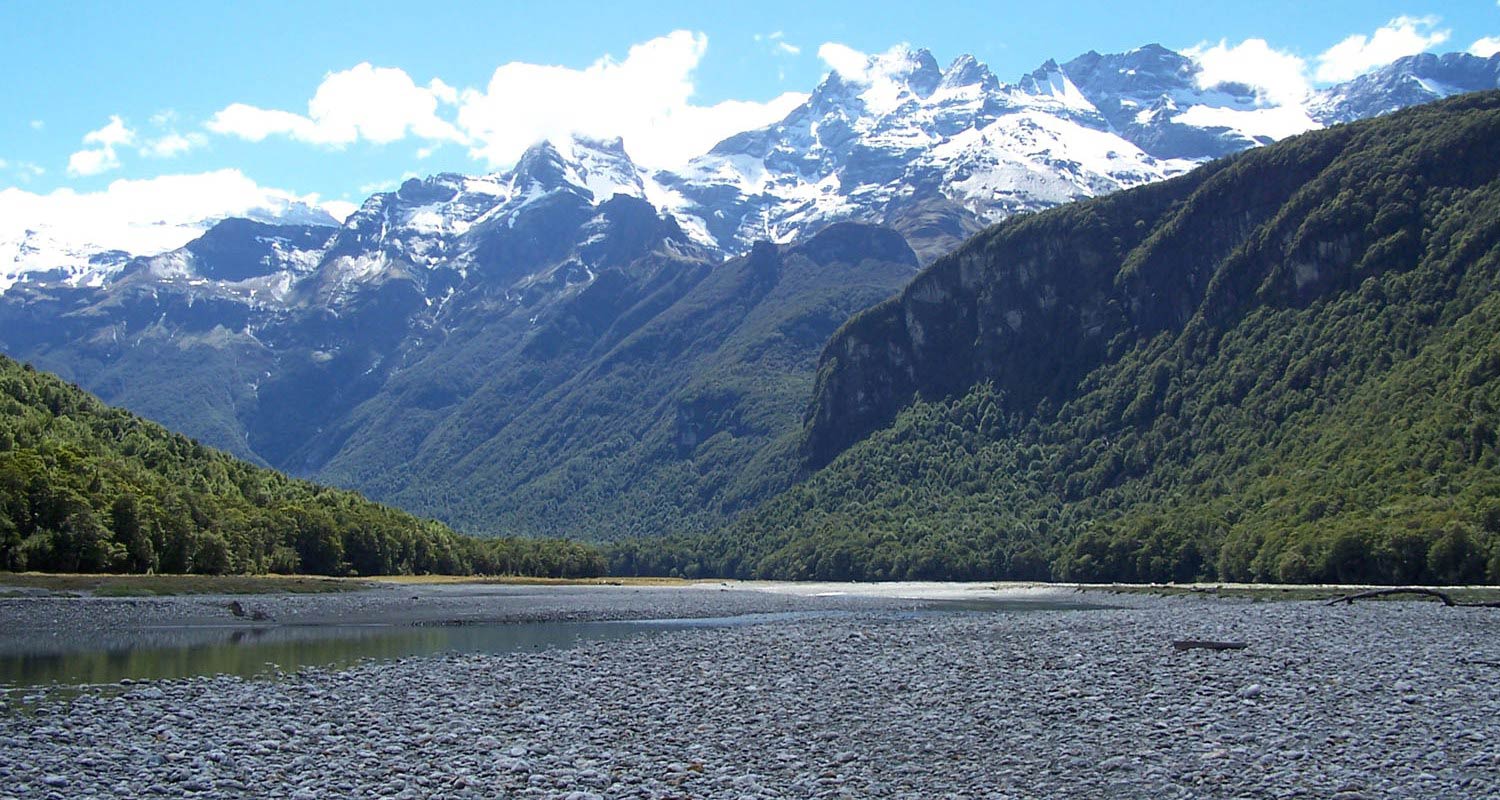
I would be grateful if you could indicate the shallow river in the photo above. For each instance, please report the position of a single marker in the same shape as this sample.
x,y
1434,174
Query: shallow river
x,y
168,652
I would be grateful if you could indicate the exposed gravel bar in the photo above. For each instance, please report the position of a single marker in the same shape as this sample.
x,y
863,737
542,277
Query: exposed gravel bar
x,y
1381,700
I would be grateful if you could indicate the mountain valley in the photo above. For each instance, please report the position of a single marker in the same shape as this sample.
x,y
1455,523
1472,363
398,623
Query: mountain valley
x,y
580,347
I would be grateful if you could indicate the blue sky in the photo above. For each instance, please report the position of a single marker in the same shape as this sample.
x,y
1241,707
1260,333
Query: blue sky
x,y
96,93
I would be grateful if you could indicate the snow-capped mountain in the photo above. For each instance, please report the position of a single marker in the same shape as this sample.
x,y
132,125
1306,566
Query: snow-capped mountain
x,y
1154,98
935,153
1408,81
905,134
41,243
463,333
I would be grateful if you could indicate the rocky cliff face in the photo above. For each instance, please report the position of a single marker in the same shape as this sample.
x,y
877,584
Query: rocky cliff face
x,y
1041,301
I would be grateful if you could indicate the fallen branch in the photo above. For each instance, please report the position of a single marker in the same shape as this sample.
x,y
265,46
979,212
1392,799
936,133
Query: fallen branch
x,y
1443,596
1200,644
1349,599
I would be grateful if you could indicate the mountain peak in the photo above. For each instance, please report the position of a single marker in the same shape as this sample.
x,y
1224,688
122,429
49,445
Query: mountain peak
x,y
542,164
916,70
882,82
600,167
967,70
1050,81
1407,81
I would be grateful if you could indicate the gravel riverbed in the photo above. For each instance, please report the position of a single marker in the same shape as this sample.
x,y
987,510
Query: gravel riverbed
x,y
1376,700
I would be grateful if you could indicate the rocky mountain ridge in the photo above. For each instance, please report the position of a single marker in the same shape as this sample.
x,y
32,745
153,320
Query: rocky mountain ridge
x,y
935,152
408,351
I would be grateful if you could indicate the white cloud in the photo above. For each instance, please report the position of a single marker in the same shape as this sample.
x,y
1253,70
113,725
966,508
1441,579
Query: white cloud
x,y
1279,77
111,135
339,209
37,124
1358,54
25,170
92,162
101,157
255,124
1486,47
778,43
173,144
139,216
845,60
374,104
646,99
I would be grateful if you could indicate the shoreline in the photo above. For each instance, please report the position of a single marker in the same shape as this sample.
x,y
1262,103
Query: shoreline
x,y
1372,700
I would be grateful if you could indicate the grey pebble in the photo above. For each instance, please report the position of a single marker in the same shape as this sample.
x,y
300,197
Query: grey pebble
x,y
875,704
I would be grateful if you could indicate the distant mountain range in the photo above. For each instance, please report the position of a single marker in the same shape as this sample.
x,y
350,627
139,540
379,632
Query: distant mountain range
x,y
936,153
580,342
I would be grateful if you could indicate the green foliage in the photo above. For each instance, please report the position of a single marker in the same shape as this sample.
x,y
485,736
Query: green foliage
x,y
89,488
666,396
1293,375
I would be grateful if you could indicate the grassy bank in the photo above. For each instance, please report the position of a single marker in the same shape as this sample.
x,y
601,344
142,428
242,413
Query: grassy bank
x,y
13,584
16,583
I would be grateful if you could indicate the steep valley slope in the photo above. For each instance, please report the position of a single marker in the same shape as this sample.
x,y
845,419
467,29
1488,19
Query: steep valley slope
x,y
1283,366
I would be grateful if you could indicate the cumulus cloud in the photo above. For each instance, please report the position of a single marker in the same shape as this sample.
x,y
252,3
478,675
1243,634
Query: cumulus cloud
x,y
845,60
1486,47
101,157
111,135
645,98
173,144
339,209
374,104
1278,77
1358,54
92,162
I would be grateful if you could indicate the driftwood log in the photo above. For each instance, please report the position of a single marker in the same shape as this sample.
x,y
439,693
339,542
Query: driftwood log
x,y
1200,644
1443,596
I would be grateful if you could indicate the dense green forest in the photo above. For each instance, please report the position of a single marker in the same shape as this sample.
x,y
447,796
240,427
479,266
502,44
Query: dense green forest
x,y
667,395
89,488
1283,367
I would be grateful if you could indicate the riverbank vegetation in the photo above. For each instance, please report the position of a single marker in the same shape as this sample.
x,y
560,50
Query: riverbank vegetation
x,y
89,488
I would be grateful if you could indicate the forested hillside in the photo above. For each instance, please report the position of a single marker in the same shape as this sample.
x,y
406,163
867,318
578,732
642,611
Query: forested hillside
x,y
89,488
664,396
1284,366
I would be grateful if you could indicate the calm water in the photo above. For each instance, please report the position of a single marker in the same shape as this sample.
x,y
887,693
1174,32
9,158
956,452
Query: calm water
x,y
182,652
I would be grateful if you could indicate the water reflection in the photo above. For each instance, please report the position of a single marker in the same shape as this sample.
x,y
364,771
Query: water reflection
x,y
166,653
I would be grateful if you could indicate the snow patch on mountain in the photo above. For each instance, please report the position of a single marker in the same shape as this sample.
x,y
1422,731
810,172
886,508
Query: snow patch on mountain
x,y
883,138
83,240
